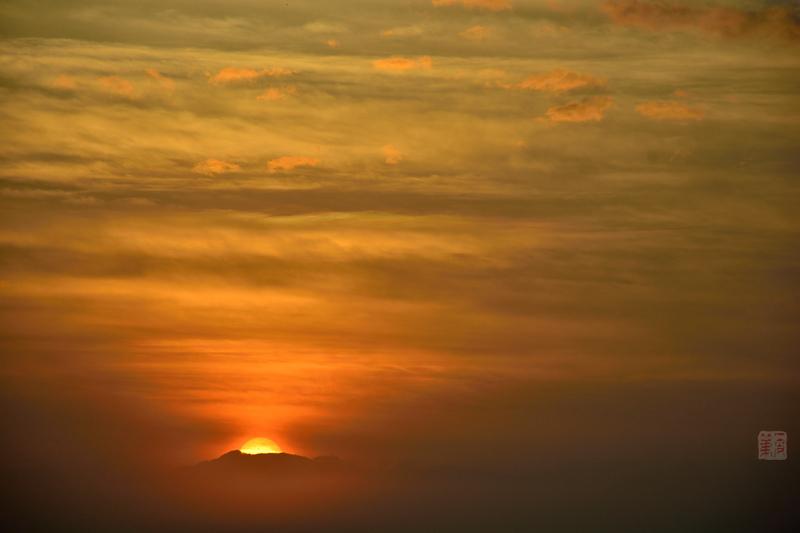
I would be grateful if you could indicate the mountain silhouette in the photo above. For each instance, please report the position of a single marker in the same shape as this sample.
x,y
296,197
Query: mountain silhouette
x,y
269,466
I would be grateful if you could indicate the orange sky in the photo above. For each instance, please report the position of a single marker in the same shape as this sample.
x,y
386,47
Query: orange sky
x,y
308,222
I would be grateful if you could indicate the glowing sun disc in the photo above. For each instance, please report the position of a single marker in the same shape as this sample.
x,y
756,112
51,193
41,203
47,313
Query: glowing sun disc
x,y
257,446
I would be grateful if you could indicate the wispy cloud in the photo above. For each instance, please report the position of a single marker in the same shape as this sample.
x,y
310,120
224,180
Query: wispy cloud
x,y
273,94
589,109
165,82
117,86
322,26
489,5
211,167
291,162
392,155
669,110
558,81
402,64
732,22
234,74
475,33
404,31
65,82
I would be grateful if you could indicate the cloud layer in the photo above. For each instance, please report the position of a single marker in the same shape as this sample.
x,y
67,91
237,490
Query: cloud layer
x,y
731,22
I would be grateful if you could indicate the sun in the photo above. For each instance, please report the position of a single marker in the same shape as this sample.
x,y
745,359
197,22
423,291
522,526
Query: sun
x,y
260,445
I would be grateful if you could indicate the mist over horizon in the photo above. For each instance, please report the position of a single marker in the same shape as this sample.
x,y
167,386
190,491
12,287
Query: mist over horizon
x,y
516,265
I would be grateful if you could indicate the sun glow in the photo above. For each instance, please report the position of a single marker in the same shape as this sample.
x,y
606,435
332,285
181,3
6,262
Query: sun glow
x,y
260,445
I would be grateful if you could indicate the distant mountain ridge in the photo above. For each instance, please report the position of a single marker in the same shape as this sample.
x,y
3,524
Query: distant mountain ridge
x,y
282,465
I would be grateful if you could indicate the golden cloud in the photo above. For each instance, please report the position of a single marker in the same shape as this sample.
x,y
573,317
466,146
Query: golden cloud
x,y
273,94
291,162
669,110
489,5
211,167
392,155
475,33
332,43
162,80
776,21
559,80
589,109
402,64
117,85
236,75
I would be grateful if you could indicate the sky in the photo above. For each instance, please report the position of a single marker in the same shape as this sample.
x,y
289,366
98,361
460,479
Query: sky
x,y
399,231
